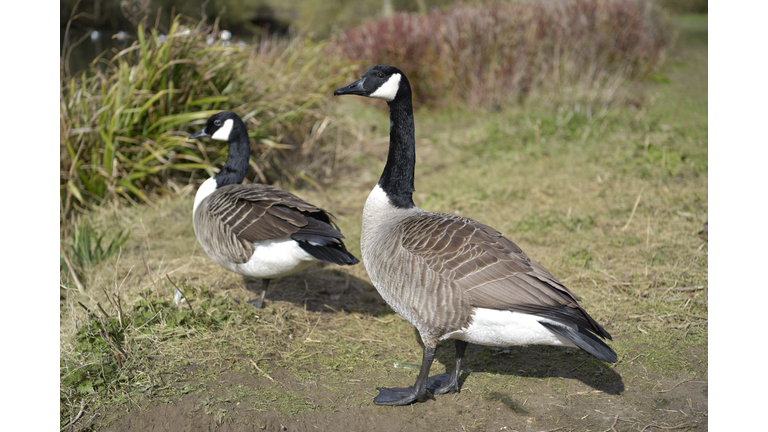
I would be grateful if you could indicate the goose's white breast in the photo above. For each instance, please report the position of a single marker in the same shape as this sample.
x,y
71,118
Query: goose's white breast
x,y
205,189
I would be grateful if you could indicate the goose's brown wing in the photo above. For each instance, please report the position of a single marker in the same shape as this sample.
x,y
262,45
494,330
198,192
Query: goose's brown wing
x,y
489,269
257,212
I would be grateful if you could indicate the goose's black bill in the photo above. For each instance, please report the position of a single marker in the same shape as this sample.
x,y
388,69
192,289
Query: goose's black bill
x,y
356,88
200,134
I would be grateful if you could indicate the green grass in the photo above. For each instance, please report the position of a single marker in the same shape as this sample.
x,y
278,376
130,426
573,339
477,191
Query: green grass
x,y
616,219
84,250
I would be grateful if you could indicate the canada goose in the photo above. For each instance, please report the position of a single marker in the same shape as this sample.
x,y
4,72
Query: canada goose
x,y
255,229
451,276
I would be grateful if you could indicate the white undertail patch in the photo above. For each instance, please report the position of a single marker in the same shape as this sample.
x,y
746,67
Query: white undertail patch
x,y
223,133
274,259
505,328
388,90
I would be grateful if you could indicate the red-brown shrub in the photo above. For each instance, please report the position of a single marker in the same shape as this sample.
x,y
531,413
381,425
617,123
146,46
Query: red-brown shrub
x,y
485,55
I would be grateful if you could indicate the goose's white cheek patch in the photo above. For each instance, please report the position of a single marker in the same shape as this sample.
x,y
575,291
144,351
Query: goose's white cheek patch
x,y
223,133
388,90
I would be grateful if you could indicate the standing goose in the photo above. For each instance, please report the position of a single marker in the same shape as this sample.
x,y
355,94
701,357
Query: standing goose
x,y
451,276
255,229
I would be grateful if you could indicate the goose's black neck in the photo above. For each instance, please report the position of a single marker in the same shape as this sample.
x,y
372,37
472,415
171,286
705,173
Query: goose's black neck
x,y
236,167
397,178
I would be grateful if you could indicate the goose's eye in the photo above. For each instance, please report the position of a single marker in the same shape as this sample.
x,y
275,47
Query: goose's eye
x,y
380,75
217,122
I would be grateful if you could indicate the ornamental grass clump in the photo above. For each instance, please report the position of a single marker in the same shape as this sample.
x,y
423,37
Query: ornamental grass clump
x,y
125,121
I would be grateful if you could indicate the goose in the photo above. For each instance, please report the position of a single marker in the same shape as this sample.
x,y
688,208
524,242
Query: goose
x,y
258,230
452,277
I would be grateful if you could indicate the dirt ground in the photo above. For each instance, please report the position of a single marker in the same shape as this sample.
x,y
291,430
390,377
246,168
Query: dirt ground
x,y
554,400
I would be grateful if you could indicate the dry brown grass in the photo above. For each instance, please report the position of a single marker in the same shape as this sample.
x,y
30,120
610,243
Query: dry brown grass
x,y
491,54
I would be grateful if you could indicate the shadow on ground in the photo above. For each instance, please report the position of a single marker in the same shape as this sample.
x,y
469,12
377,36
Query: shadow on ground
x,y
329,290
322,288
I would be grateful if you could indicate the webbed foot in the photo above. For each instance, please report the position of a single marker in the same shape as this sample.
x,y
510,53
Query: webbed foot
x,y
443,383
399,396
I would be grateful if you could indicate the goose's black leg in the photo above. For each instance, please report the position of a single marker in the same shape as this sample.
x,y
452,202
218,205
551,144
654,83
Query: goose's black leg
x,y
452,385
404,396
259,304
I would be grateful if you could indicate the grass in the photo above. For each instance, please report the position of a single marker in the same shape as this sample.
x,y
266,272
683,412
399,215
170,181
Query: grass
x,y
85,250
117,120
583,193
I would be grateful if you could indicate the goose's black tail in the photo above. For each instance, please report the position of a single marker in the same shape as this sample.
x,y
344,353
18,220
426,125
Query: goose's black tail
x,y
332,252
323,241
585,340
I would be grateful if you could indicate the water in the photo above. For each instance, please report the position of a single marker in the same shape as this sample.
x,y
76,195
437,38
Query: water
x,y
96,43
83,54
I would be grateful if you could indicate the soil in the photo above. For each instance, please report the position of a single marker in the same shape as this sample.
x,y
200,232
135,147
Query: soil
x,y
534,408
556,398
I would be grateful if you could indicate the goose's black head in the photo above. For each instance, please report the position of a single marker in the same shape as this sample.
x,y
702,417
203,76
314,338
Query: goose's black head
x,y
223,126
228,126
379,82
